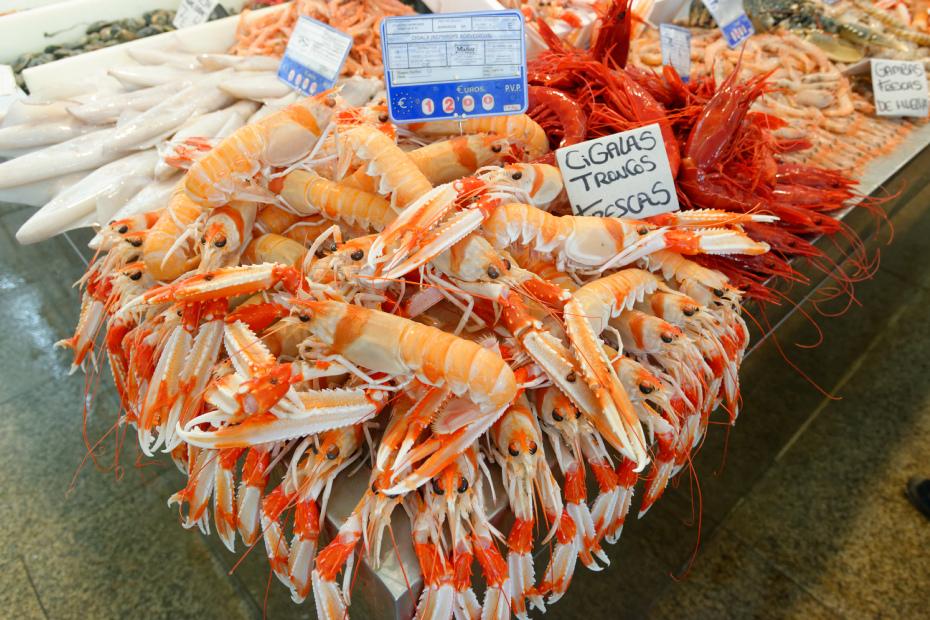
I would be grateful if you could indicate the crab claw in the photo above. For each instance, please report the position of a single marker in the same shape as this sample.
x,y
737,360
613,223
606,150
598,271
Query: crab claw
x,y
248,500
319,411
689,243
223,283
463,425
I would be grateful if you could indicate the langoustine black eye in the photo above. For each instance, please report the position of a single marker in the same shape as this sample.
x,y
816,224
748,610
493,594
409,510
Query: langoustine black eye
x,y
437,489
463,485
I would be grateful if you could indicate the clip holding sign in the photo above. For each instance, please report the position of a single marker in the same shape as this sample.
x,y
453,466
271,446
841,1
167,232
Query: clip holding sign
x,y
452,66
314,56
626,174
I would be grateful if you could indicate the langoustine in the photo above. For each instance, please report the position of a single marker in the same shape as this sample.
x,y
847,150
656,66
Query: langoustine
x,y
277,317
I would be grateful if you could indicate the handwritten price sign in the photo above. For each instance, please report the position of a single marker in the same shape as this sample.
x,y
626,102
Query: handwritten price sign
x,y
900,88
626,174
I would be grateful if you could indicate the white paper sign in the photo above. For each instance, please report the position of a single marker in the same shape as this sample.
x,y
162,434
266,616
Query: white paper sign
x,y
900,88
626,174
676,48
193,12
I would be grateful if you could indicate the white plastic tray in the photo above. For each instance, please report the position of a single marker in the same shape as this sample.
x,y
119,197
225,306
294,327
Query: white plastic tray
x,y
69,77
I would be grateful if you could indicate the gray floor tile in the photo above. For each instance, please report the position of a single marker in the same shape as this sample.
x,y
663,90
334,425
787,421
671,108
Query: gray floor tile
x,y
17,597
21,264
908,250
732,581
129,560
778,399
32,321
41,455
831,512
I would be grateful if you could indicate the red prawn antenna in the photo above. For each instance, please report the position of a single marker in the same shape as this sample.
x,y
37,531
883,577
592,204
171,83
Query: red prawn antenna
x,y
612,45
697,518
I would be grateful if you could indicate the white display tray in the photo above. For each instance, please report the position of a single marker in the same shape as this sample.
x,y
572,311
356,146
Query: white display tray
x,y
31,31
69,77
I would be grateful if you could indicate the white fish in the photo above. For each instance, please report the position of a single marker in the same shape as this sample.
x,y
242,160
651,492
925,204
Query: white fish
x,y
210,125
114,198
139,76
28,111
239,63
153,196
38,193
256,86
167,116
81,153
175,60
31,135
71,207
105,110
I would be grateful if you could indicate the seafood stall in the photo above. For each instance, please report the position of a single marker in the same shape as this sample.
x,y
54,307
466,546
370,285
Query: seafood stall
x,y
425,301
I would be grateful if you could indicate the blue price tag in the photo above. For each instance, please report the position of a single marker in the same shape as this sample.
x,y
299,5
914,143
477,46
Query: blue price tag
x,y
738,30
454,65
314,56
732,20
676,49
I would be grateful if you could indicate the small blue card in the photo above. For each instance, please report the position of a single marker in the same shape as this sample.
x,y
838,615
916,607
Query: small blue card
x,y
676,49
314,56
732,20
454,65
738,30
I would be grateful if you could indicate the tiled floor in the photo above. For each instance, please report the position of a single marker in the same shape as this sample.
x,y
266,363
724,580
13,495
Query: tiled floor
x,y
804,517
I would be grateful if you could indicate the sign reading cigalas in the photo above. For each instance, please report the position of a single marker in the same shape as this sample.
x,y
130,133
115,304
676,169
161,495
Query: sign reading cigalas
x,y
314,56
900,88
626,174
454,65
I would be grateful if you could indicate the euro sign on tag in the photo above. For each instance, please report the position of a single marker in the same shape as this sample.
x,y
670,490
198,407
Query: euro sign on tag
x,y
314,56
676,49
193,12
732,20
